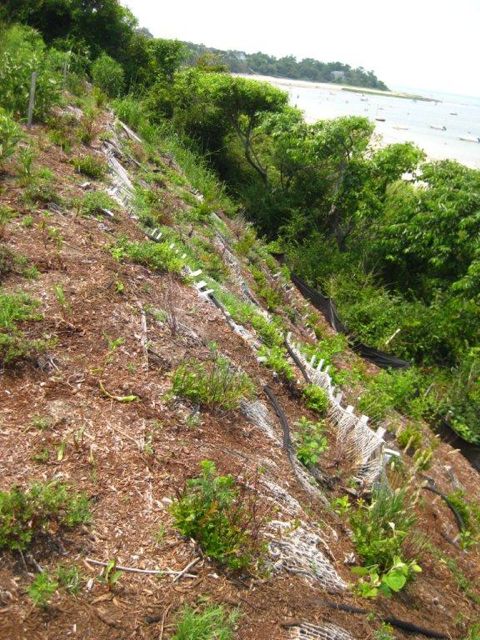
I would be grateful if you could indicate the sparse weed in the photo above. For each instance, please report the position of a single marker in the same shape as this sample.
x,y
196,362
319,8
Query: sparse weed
x,y
90,166
211,623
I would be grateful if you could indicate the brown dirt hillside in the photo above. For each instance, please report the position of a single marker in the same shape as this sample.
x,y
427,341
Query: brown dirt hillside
x,y
113,329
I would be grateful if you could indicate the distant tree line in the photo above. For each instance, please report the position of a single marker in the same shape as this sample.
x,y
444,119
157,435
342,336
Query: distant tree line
x,y
288,67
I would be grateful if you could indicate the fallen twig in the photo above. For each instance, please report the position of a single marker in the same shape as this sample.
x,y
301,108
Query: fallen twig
x,y
165,614
151,572
189,566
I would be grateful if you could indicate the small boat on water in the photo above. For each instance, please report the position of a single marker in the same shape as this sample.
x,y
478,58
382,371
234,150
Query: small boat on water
x,y
469,138
438,127
380,119
453,113
400,127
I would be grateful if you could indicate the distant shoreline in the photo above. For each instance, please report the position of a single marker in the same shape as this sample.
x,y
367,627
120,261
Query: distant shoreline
x,y
291,82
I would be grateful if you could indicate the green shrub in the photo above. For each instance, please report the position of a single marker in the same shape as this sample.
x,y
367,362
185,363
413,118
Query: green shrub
x,y
213,623
214,511
316,399
10,135
39,509
108,75
401,390
272,297
41,189
22,52
157,256
94,203
212,384
311,441
90,166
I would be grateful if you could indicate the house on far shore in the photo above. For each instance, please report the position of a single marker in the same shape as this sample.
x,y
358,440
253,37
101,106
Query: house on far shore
x,y
338,75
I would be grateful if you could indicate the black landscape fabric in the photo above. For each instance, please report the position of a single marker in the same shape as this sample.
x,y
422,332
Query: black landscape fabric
x,y
327,307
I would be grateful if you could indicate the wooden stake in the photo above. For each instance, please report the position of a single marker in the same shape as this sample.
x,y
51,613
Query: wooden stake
x,y
31,102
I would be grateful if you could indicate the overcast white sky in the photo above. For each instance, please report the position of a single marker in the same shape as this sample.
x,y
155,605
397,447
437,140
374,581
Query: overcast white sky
x,y
423,44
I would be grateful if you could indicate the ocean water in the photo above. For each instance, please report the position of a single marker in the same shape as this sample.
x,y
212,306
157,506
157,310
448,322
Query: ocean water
x,y
405,119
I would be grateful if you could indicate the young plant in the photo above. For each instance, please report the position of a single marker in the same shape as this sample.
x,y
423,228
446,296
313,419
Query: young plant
x,y
276,358
221,516
42,589
316,399
379,532
110,575
212,384
311,441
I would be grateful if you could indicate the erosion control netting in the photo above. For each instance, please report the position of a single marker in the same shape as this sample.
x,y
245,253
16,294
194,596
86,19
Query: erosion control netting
x,y
364,447
327,631
294,548
293,545
327,307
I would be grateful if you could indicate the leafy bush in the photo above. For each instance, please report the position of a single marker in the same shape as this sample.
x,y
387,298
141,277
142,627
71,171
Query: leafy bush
x,y
402,390
108,75
22,52
379,532
90,166
212,384
213,623
157,256
10,135
316,399
39,509
276,359
214,510
311,441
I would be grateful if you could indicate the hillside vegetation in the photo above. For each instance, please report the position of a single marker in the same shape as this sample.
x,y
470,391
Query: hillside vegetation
x,y
186,452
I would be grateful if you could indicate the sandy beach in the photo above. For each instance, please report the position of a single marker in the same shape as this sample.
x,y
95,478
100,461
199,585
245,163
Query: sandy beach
x,y
436,126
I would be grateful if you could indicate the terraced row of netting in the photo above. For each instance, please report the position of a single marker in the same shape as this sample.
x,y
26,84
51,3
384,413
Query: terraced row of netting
x,y
294,545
